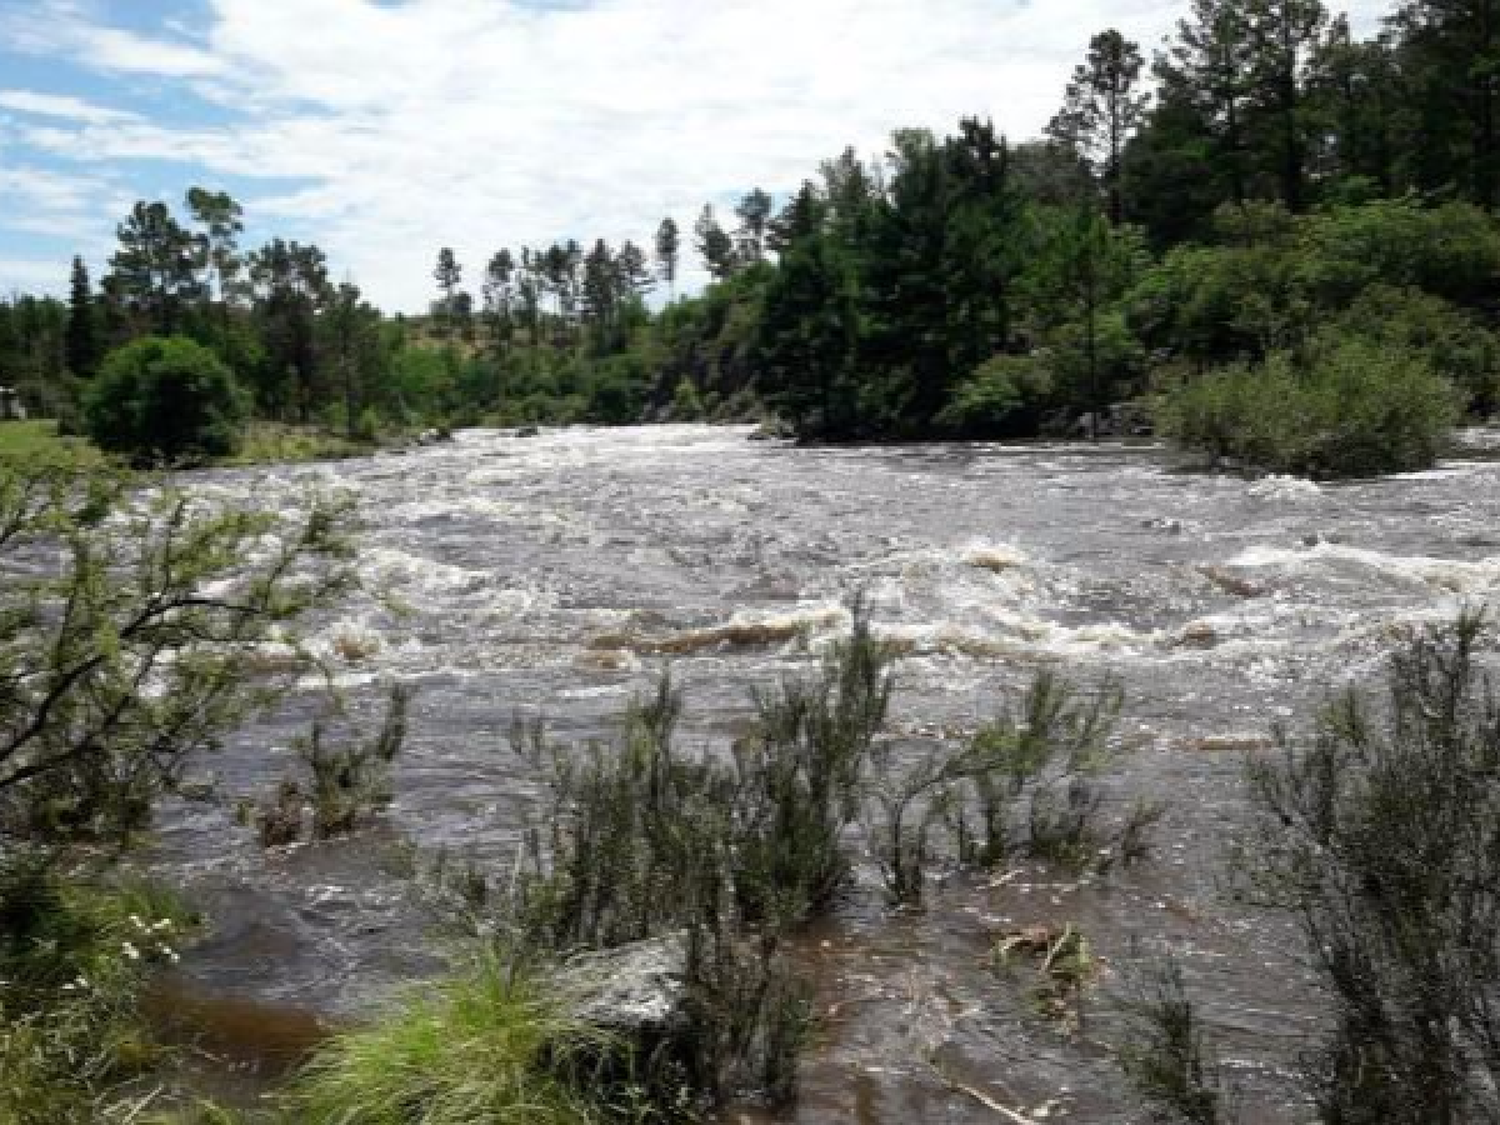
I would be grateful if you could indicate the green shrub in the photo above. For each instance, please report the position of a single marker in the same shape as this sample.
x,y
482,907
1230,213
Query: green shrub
x,y
120,666
1356,409
1452,250
166,399
1022,786
346,781
1004,396
1459,348
687,405
1164,1051
1380,836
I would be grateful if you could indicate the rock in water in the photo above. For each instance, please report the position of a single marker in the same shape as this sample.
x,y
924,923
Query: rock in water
x,y
638,991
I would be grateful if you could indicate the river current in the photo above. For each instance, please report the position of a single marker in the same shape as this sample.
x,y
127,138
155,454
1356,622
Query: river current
x,y
555,576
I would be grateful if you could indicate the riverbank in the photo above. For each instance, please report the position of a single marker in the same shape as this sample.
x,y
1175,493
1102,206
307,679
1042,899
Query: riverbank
x,y
265,443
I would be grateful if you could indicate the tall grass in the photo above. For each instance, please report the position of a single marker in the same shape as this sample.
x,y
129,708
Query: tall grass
x,y
487,1048
74,957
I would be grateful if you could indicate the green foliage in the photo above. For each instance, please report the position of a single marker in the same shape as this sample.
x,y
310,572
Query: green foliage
x,y
687,404
644,841
276,443
345,781
1452,339
802,774
1022,786
1380,836
165,399
1452,251
487,1048
1164,1052
74,956
149,589
39,442
1357,409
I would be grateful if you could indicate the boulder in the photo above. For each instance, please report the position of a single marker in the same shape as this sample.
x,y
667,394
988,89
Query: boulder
x,y
774,429
638,991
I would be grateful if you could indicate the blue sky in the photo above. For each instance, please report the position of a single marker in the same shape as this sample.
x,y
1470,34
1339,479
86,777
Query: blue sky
x,y
382,131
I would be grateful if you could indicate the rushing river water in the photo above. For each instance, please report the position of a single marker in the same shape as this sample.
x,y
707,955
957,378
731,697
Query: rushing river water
x,y
546,575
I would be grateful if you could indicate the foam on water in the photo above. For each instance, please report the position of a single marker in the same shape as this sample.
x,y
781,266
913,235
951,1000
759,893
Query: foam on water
x,y
1456,576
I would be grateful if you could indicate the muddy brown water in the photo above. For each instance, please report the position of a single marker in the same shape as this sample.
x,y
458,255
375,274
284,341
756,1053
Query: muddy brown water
x,y
557,575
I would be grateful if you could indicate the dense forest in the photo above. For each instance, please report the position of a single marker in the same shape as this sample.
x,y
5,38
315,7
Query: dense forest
x,y
1269,211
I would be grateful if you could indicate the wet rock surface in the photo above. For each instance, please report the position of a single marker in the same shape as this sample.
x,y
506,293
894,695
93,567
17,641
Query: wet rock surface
x,y
635,990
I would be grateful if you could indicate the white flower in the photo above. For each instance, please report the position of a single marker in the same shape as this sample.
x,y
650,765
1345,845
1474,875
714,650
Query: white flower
x,y
130,951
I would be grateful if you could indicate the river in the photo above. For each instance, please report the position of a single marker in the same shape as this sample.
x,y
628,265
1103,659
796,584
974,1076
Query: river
x,y
543,576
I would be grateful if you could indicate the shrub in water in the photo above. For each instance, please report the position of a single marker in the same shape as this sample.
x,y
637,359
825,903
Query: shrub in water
x,y
1382,837
1165,1054
1357,408
347,780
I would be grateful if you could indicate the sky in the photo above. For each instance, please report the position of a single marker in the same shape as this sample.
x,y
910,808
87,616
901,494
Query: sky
x,y
385,129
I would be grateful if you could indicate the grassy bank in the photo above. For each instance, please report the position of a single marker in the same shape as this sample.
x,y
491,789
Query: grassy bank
x,y
38,439
265,443
274,443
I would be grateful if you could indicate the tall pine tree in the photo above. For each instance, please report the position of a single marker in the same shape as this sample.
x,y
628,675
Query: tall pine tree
x,y
1102,109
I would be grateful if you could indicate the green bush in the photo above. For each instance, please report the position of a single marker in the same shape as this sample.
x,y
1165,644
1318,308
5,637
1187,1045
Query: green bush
x,y
1380,836
687,405
1004,396
1356,408
1459,348
1452,250
166,399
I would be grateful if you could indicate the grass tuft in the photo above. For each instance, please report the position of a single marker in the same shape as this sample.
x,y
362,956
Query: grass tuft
x,y
484,1049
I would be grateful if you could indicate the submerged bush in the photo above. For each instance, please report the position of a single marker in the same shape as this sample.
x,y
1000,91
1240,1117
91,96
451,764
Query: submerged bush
x,y
645,838
1382,837
644,841
346,781
1023,786
1356,409
1165,1053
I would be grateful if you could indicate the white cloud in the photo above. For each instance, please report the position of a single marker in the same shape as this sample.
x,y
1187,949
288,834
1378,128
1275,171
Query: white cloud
x,y
75,209
62,106
481,123
28,275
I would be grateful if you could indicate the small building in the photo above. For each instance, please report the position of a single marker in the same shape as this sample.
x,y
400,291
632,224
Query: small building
x,y
11,409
